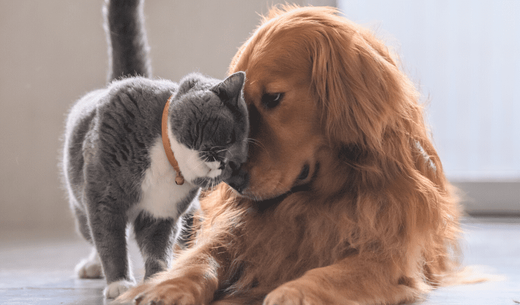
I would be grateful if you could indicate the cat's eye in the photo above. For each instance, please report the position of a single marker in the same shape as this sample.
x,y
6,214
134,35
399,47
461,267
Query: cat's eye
x,y
230,139
271,100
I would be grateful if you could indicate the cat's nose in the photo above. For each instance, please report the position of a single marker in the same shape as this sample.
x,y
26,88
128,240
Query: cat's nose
x,y
222,165
239,179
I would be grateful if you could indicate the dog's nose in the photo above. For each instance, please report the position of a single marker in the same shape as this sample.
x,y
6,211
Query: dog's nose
x,y
234,166
239,178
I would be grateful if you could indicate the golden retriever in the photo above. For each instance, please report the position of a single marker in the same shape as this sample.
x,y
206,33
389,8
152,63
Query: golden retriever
x,y
345,200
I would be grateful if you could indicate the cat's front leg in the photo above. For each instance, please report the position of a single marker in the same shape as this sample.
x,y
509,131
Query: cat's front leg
x,y
155,238
108,228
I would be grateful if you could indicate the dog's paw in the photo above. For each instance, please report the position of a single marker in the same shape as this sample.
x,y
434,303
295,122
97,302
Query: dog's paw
x,y
175,292
115,289
166,294
289,295
293,293
90,267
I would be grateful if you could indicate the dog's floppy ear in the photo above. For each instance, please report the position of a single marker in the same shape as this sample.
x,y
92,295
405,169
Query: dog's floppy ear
x,y
366,101
360,88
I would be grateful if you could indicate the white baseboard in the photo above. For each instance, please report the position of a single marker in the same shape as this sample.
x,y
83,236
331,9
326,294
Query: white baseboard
x,y
490,198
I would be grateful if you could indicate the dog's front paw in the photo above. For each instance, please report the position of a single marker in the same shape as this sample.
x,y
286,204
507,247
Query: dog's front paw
x,y
285,295
166,295
290,295
176,291
298,293
115,289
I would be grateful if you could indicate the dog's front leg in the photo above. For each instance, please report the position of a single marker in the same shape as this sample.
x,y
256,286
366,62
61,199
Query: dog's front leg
x,y
193,279
352,281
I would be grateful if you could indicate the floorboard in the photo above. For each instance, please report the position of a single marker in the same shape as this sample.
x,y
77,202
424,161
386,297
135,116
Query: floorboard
x,y
37,267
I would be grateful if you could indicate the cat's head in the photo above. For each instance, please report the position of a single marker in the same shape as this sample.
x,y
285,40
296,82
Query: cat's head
x,y
209,123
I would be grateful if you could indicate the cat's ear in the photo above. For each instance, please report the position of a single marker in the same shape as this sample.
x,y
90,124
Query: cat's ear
x,y
230,88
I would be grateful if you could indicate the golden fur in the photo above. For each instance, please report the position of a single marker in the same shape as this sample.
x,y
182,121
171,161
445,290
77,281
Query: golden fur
x,y
374,221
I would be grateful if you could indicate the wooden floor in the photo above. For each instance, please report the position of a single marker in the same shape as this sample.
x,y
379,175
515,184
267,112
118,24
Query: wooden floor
x,y
37,268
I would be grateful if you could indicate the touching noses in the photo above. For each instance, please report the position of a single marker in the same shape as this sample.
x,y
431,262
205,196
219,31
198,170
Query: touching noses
x,y
239,179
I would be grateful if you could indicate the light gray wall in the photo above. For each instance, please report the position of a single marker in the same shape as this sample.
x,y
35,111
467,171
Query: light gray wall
x,y
464,56
53,51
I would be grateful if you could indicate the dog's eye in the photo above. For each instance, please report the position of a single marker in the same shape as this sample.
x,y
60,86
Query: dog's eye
x,y
271,100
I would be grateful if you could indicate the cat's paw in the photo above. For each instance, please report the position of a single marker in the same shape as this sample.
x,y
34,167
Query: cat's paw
x,y
90,268
115,289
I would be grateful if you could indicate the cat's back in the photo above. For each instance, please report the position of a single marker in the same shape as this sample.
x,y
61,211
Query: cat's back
x,y
116,124
82,112
140,97
78,124
135,100
123,104
136,95
130,116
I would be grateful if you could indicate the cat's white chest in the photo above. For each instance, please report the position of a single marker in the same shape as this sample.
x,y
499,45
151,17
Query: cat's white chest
x,y
190,163
160,195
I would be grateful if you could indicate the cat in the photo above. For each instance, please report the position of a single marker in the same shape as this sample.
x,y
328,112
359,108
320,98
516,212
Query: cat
x,y
115,163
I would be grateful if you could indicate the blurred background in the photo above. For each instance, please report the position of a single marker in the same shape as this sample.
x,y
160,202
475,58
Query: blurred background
x,y
462,54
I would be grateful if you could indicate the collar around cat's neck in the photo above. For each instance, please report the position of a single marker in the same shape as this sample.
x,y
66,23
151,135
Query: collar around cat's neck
x,y
179,179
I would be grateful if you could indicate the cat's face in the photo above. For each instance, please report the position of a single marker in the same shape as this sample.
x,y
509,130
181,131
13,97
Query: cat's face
x,y
210,123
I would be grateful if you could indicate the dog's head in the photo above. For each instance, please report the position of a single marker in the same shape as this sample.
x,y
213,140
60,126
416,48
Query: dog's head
x,y
319,89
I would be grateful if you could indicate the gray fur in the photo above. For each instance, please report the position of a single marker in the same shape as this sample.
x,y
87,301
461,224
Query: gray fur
x,y
109,135
205,127
126,37
112,138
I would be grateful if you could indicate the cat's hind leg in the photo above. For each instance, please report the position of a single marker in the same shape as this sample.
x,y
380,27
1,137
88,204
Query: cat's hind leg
x,y
90,267
155,238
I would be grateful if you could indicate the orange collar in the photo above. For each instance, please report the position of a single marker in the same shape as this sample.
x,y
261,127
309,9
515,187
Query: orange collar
x,y
179,179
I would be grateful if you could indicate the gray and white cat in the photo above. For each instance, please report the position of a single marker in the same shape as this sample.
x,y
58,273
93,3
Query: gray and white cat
x,y
115,166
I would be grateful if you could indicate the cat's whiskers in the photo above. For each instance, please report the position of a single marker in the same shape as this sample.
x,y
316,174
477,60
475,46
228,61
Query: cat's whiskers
x,y
211,184
196,161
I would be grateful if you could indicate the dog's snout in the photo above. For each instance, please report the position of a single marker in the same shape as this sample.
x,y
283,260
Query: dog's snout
x,y
239,179
234,166
239,182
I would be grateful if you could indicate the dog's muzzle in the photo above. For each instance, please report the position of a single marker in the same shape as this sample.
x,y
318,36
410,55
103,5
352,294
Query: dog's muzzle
x,y
239,179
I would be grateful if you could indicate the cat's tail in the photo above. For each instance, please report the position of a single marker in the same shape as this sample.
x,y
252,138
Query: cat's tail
x,y
126,36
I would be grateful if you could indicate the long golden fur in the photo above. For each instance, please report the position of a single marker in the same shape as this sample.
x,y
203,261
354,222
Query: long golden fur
x,y
374,221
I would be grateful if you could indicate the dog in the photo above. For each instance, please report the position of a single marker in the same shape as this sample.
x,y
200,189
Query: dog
x,y
343,198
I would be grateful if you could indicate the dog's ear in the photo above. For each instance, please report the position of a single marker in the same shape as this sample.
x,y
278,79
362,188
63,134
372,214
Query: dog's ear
x,y
360,88
367,102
